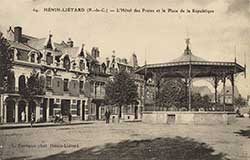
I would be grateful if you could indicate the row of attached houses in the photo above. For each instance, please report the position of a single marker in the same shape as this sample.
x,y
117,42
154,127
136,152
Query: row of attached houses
x,y
74,80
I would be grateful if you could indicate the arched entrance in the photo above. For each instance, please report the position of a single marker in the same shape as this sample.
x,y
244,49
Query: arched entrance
x,y
21,108
32,108
10,111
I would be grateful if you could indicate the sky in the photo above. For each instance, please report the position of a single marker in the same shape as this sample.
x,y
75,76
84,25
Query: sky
x,y
154,37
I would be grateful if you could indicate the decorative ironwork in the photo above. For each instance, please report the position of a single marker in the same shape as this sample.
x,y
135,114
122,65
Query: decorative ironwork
x,y
189,67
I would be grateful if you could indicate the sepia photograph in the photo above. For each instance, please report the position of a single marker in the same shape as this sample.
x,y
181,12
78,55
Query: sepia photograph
x,y
125,80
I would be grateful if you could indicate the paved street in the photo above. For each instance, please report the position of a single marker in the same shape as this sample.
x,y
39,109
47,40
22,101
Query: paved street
x,y
128,141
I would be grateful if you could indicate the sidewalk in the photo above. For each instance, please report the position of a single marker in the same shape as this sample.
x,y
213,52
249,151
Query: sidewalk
x,y
45,124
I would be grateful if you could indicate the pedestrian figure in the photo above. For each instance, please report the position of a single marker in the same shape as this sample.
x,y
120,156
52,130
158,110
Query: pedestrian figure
x,y
56,118
23,116
61,118
238,112
107,116
32,120
70,117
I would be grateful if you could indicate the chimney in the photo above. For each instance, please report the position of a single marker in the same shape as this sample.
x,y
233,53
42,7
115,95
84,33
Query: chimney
x,y
134,60
17,34
95,52
70,43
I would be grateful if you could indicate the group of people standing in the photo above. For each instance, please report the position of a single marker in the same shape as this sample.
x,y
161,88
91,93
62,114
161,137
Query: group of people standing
x,y
58,118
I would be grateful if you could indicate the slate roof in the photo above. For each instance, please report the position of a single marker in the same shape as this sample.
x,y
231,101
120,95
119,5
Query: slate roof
x,y
21,46
28,37
37,43
71,51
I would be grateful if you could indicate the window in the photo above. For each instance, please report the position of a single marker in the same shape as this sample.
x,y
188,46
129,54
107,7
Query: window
x,y
66,63
57,60
81,85
103,68
74,101
51,107
39,57
32,58
65,85
78,108
58,83
22,55
49,58
21,83
74,66
81,65
57,101
48,82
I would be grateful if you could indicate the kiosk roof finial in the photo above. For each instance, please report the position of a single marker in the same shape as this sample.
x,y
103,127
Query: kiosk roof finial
x,y
187,42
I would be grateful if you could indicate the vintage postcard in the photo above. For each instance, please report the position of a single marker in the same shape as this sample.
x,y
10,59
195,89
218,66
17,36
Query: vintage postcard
x,y
125,80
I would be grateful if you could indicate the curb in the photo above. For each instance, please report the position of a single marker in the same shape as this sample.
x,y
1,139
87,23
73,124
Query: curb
x,y
44,125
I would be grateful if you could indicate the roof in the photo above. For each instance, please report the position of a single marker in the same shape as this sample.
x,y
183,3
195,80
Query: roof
x,y
186,58
21,46
24,37
179,67
60,46
200,69
37,43
28,37
71,51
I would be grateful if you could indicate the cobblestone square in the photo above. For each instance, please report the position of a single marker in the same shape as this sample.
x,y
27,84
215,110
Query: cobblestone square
x,y
129,141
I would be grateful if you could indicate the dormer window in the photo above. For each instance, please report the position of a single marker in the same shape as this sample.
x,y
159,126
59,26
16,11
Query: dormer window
x,y
49,58
32,58
81,65
39,57
74,66
57,60
22,55
103,68
18,55
66,62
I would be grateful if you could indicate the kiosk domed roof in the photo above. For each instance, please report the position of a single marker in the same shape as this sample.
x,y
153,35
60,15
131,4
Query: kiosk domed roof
x,y
187,55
